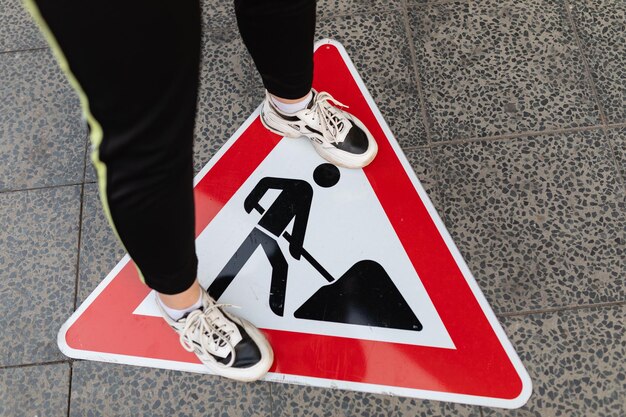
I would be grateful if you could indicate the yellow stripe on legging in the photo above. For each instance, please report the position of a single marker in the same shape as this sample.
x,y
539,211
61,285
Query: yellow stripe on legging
x,y
96,130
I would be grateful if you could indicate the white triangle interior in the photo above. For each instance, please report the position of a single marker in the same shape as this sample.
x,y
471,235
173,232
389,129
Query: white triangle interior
x,y
346,224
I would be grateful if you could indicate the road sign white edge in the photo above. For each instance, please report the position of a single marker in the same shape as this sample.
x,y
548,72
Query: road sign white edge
x,y
517,402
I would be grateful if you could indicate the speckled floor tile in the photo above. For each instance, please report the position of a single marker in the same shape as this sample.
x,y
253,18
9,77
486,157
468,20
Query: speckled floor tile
x,y
225,97
100,389
34,391
576,360
601,26
100,250
498,67
299,401
618,138
217,14
421,161
411,407
42,137
17,29
378,46
38,250
541,221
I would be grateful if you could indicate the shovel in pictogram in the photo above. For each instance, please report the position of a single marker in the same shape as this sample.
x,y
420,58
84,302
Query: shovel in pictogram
x,y
364,295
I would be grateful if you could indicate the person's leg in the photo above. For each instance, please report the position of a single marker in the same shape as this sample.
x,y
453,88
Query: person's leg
x,y
139,84
135,66
279,36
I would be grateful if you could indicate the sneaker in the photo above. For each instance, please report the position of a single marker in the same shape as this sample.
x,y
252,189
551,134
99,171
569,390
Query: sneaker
x,y
338,136
229,346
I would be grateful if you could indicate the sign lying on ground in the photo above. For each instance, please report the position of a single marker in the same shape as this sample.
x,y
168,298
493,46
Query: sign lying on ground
x,y
378,300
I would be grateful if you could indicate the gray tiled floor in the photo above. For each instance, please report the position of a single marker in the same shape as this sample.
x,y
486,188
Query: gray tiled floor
x,y
43,136
99,248
512,115
575,359
299,401
538,216
493,68
378,46
112,390
34,390
39,238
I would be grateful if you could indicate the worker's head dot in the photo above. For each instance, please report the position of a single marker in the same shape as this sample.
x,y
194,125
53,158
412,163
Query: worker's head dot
x,y
326,175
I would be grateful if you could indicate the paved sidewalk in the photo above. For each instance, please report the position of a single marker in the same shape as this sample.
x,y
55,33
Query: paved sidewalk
x,y
513,115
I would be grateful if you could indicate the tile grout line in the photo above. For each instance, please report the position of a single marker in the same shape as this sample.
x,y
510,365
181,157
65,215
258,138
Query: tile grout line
x,y
87,143
594,91
530,133
43,187
615,161
423,109
27,365
616,125
41,48
418,83
564,308
80,235
415,5
76,280
271,400
69,390
80,225
587,70
518,135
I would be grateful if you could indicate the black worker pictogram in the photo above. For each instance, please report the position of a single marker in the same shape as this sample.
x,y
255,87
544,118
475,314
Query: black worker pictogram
x,y
364,295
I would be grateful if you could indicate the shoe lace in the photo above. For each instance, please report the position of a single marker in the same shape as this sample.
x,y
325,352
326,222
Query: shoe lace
x,y
331,120
213,335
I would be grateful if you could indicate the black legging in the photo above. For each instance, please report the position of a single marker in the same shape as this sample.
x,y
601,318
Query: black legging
x,y
137,63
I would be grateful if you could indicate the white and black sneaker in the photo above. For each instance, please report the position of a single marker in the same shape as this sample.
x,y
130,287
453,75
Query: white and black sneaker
x,y
230,346
338,136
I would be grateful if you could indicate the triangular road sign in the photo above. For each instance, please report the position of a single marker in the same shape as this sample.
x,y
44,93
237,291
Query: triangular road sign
x,y
379,300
